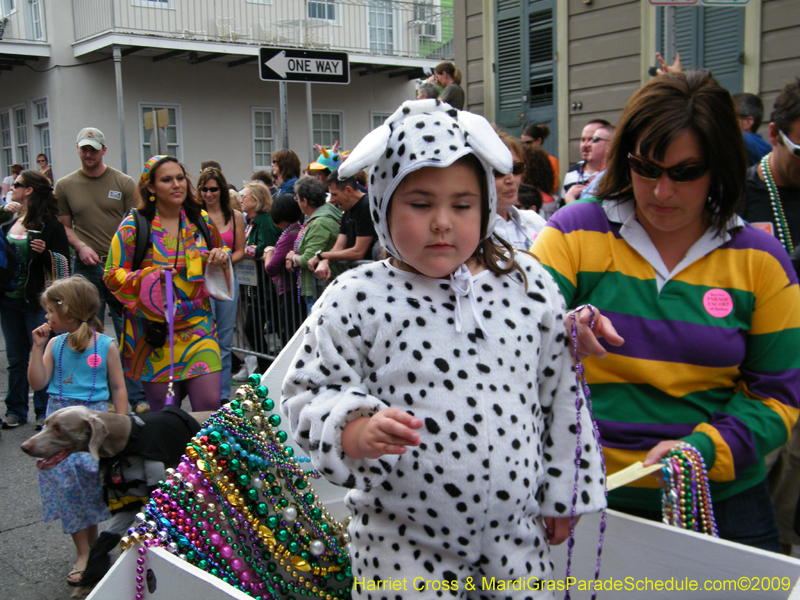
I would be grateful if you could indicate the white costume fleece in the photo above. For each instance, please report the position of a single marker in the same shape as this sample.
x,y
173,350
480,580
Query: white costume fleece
x,y
493,384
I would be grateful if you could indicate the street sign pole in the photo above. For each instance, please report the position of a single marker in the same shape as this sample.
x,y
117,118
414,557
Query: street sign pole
x,y
308,66
284,115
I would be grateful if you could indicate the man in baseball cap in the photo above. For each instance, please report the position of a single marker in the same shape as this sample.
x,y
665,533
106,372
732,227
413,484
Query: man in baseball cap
x,y
91,203
91,136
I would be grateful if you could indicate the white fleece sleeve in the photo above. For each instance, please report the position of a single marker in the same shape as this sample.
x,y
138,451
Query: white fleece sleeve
x,y
557,392
323,391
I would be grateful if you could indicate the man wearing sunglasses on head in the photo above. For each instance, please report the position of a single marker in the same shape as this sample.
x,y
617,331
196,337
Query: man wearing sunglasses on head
x,y
601,144
581,172
772,199
772,203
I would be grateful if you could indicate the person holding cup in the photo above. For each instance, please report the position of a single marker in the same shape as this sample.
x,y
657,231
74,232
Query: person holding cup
x,y
35,234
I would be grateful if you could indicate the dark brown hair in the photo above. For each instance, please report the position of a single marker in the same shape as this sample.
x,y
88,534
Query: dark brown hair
x,y
537,132
786,109
662,110
288,162
42,205
224,191
190,204
538,168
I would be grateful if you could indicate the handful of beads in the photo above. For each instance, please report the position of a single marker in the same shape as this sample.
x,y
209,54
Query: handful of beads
x,y
686,503
239,506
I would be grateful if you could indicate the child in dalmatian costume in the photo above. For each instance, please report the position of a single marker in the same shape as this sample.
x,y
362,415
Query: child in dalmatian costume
x,y
458,393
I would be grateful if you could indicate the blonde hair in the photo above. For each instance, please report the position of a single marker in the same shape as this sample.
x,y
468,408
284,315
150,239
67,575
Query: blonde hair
x,y
76,298
236,200
261,195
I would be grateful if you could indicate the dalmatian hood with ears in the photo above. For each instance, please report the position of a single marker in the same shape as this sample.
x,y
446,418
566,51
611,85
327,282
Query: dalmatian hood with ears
x,y
424,133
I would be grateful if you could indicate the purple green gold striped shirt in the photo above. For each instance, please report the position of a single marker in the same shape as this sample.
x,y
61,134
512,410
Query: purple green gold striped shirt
x,y
712,349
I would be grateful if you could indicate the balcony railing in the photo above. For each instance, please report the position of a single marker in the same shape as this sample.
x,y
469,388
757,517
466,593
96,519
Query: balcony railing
x,y
22,21
378,27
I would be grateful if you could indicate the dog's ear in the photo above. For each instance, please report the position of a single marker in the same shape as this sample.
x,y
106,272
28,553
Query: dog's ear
x,y
99,433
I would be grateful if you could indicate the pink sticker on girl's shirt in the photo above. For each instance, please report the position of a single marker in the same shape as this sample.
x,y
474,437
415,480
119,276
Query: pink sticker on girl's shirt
x,y
94,361
718,303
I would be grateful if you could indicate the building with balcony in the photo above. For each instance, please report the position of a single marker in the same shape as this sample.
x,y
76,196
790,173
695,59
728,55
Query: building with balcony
x,y
564,62
191,67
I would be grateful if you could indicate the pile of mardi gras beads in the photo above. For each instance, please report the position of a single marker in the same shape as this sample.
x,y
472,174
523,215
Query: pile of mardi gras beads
x,y
686,503
239,506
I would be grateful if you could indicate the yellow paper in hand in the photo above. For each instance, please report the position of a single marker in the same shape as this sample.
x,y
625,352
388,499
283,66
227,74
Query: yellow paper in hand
x,y
631,473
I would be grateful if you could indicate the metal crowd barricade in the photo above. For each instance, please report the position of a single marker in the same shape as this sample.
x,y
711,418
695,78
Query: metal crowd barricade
x,y
266,321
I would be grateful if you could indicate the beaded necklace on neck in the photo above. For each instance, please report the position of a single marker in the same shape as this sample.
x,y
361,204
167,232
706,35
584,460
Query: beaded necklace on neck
x,y
61,369
781,225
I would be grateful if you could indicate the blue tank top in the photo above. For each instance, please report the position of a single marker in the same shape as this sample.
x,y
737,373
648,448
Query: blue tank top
x,y
77,370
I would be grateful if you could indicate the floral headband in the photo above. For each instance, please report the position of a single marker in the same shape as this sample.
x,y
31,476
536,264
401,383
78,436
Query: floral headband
x,y
149,165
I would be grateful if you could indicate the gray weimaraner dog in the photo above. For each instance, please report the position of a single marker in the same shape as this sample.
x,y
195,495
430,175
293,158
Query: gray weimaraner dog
x,y
139,446
78,429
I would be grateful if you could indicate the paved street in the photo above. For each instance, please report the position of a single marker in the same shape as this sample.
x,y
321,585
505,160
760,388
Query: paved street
x,y
34,557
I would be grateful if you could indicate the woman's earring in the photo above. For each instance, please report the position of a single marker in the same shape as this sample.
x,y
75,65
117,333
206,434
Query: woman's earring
x,y
152,198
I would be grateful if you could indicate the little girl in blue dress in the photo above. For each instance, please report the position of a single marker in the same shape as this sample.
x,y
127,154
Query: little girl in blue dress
x,y
80,367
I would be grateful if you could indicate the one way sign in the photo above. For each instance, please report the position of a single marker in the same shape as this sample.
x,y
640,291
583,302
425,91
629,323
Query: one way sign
x,y
294,64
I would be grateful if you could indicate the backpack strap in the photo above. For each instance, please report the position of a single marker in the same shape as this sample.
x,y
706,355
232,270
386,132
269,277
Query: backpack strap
x,y
201,224
142,241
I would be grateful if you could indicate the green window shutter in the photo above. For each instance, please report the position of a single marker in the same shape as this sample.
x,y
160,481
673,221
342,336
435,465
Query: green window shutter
x,y
723,44
509,74
542,67
708,37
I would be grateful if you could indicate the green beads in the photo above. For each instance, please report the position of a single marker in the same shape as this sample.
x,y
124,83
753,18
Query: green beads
x,y
243,479
214,437
272,522
261,391
281,436
309,498
254,380
268,404
252,495
282,535
262,509
234,464
224,449
300,483
274,420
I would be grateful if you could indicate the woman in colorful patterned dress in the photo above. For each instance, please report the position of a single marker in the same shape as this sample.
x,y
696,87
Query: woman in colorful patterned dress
x,y
177,245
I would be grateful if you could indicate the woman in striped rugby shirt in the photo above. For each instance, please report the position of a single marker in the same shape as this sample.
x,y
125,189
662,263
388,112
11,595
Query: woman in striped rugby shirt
x,y
708,305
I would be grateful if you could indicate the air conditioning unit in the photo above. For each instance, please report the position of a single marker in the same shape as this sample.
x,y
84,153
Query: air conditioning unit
x,y
426,30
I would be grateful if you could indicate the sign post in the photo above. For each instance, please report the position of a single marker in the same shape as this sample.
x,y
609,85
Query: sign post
x,y
311,66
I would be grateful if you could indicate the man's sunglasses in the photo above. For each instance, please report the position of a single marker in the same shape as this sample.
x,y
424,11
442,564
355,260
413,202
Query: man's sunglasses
x,y
680,174
793,148
213,190
517,169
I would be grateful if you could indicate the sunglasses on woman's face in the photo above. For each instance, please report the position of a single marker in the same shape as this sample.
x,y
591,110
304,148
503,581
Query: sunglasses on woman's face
x,y
213,190
517,169
680,174
17,184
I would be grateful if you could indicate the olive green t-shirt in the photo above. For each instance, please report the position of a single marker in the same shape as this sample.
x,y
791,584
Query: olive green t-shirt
x,y
96,205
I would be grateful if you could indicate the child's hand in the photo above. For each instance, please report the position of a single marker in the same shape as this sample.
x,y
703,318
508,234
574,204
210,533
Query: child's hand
x,y
388,431
557,529
41,334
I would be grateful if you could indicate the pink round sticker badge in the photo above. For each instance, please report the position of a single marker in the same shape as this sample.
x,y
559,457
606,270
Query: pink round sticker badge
x,y
94,361
718,303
